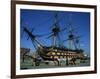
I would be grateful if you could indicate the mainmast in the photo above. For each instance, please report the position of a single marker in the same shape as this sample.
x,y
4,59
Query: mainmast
x,y
73,38
70,36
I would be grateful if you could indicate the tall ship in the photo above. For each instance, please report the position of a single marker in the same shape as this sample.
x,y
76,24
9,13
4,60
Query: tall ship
x,y
57,52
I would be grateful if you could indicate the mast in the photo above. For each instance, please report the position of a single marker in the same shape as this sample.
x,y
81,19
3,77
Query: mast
x,y
73,39
55,31
77,41
70,36
55,27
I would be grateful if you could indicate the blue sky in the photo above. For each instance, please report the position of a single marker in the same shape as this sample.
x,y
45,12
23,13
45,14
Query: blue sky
x,y
42,22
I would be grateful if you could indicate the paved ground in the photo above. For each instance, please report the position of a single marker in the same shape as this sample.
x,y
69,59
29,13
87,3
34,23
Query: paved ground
x,y
28,65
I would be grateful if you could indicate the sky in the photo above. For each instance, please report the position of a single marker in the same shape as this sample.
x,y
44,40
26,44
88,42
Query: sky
x,y
42,22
